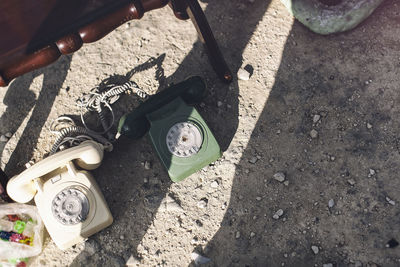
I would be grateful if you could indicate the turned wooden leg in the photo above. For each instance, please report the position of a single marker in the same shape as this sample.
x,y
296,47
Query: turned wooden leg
x,y
183,9
72,41
179,7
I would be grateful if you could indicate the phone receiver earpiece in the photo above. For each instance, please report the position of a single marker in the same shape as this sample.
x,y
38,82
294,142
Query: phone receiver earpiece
x,y
91,159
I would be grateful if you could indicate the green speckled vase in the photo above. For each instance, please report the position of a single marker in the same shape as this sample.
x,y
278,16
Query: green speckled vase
x,y
326,19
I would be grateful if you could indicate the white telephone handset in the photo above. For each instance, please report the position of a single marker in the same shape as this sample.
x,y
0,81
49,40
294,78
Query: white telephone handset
x,y
69,200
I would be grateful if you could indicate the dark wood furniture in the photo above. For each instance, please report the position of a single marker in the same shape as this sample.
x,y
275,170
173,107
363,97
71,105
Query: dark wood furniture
x,y
36,33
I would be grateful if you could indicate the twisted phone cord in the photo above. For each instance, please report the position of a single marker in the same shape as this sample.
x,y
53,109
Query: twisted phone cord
x,y
78,134
98,102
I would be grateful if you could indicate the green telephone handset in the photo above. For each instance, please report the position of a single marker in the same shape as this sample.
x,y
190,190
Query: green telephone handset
x,y
182,139
69,200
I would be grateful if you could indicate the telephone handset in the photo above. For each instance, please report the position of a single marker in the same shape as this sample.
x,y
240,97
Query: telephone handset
x,y
69,200
181,137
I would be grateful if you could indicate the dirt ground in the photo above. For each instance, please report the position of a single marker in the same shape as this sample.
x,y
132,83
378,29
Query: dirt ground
x,y
319,109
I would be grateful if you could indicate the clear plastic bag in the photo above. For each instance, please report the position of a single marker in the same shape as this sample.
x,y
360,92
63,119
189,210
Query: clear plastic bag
x,y
21,231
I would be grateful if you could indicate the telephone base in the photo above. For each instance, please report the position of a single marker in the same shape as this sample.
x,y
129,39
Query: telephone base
x,y
196,147
67,233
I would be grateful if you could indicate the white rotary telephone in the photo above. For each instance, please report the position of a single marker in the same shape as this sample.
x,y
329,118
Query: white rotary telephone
x,y
69,200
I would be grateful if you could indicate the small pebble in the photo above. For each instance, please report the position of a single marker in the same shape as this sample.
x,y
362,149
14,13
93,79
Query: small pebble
x,y
147,165
253,160
121,237
277,214
214,184
252,234
3,138
168,204
237,235
258,198
351,181
202,204
8,135
369,125
286,183
315,249
199,259
331,203
279,176
391,202
313,134
372,172
243,74
132,261
219,104
316,118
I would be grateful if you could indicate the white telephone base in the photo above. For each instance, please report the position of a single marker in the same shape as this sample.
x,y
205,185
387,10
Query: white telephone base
x,y
70,202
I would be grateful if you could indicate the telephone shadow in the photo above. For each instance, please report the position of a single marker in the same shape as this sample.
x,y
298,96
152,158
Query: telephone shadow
x,y
134,193
20,101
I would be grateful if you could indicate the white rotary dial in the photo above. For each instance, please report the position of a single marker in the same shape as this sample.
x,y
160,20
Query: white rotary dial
x,y
184,139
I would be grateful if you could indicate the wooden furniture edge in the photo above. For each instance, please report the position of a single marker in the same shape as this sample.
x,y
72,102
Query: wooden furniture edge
x,y
73,41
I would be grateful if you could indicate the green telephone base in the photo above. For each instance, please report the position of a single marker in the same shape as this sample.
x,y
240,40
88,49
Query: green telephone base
x,y
182,139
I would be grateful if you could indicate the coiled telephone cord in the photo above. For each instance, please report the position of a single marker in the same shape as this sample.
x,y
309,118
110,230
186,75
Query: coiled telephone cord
x,y
72,135
98,101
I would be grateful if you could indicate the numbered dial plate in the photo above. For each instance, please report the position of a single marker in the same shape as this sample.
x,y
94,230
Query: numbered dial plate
x,y
70,206
184,139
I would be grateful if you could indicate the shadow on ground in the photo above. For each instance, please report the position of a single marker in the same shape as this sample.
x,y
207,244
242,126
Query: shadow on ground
x,y
127,158
339,86
323,83
20,101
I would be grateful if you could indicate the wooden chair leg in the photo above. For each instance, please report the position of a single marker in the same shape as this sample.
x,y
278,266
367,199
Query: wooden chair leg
x,y
184,9
179,7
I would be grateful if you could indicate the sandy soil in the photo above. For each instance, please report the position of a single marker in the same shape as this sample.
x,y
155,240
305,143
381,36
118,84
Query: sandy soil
x,y
320,109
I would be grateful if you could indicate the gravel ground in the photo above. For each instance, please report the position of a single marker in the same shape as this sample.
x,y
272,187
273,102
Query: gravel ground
x,y
309,173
